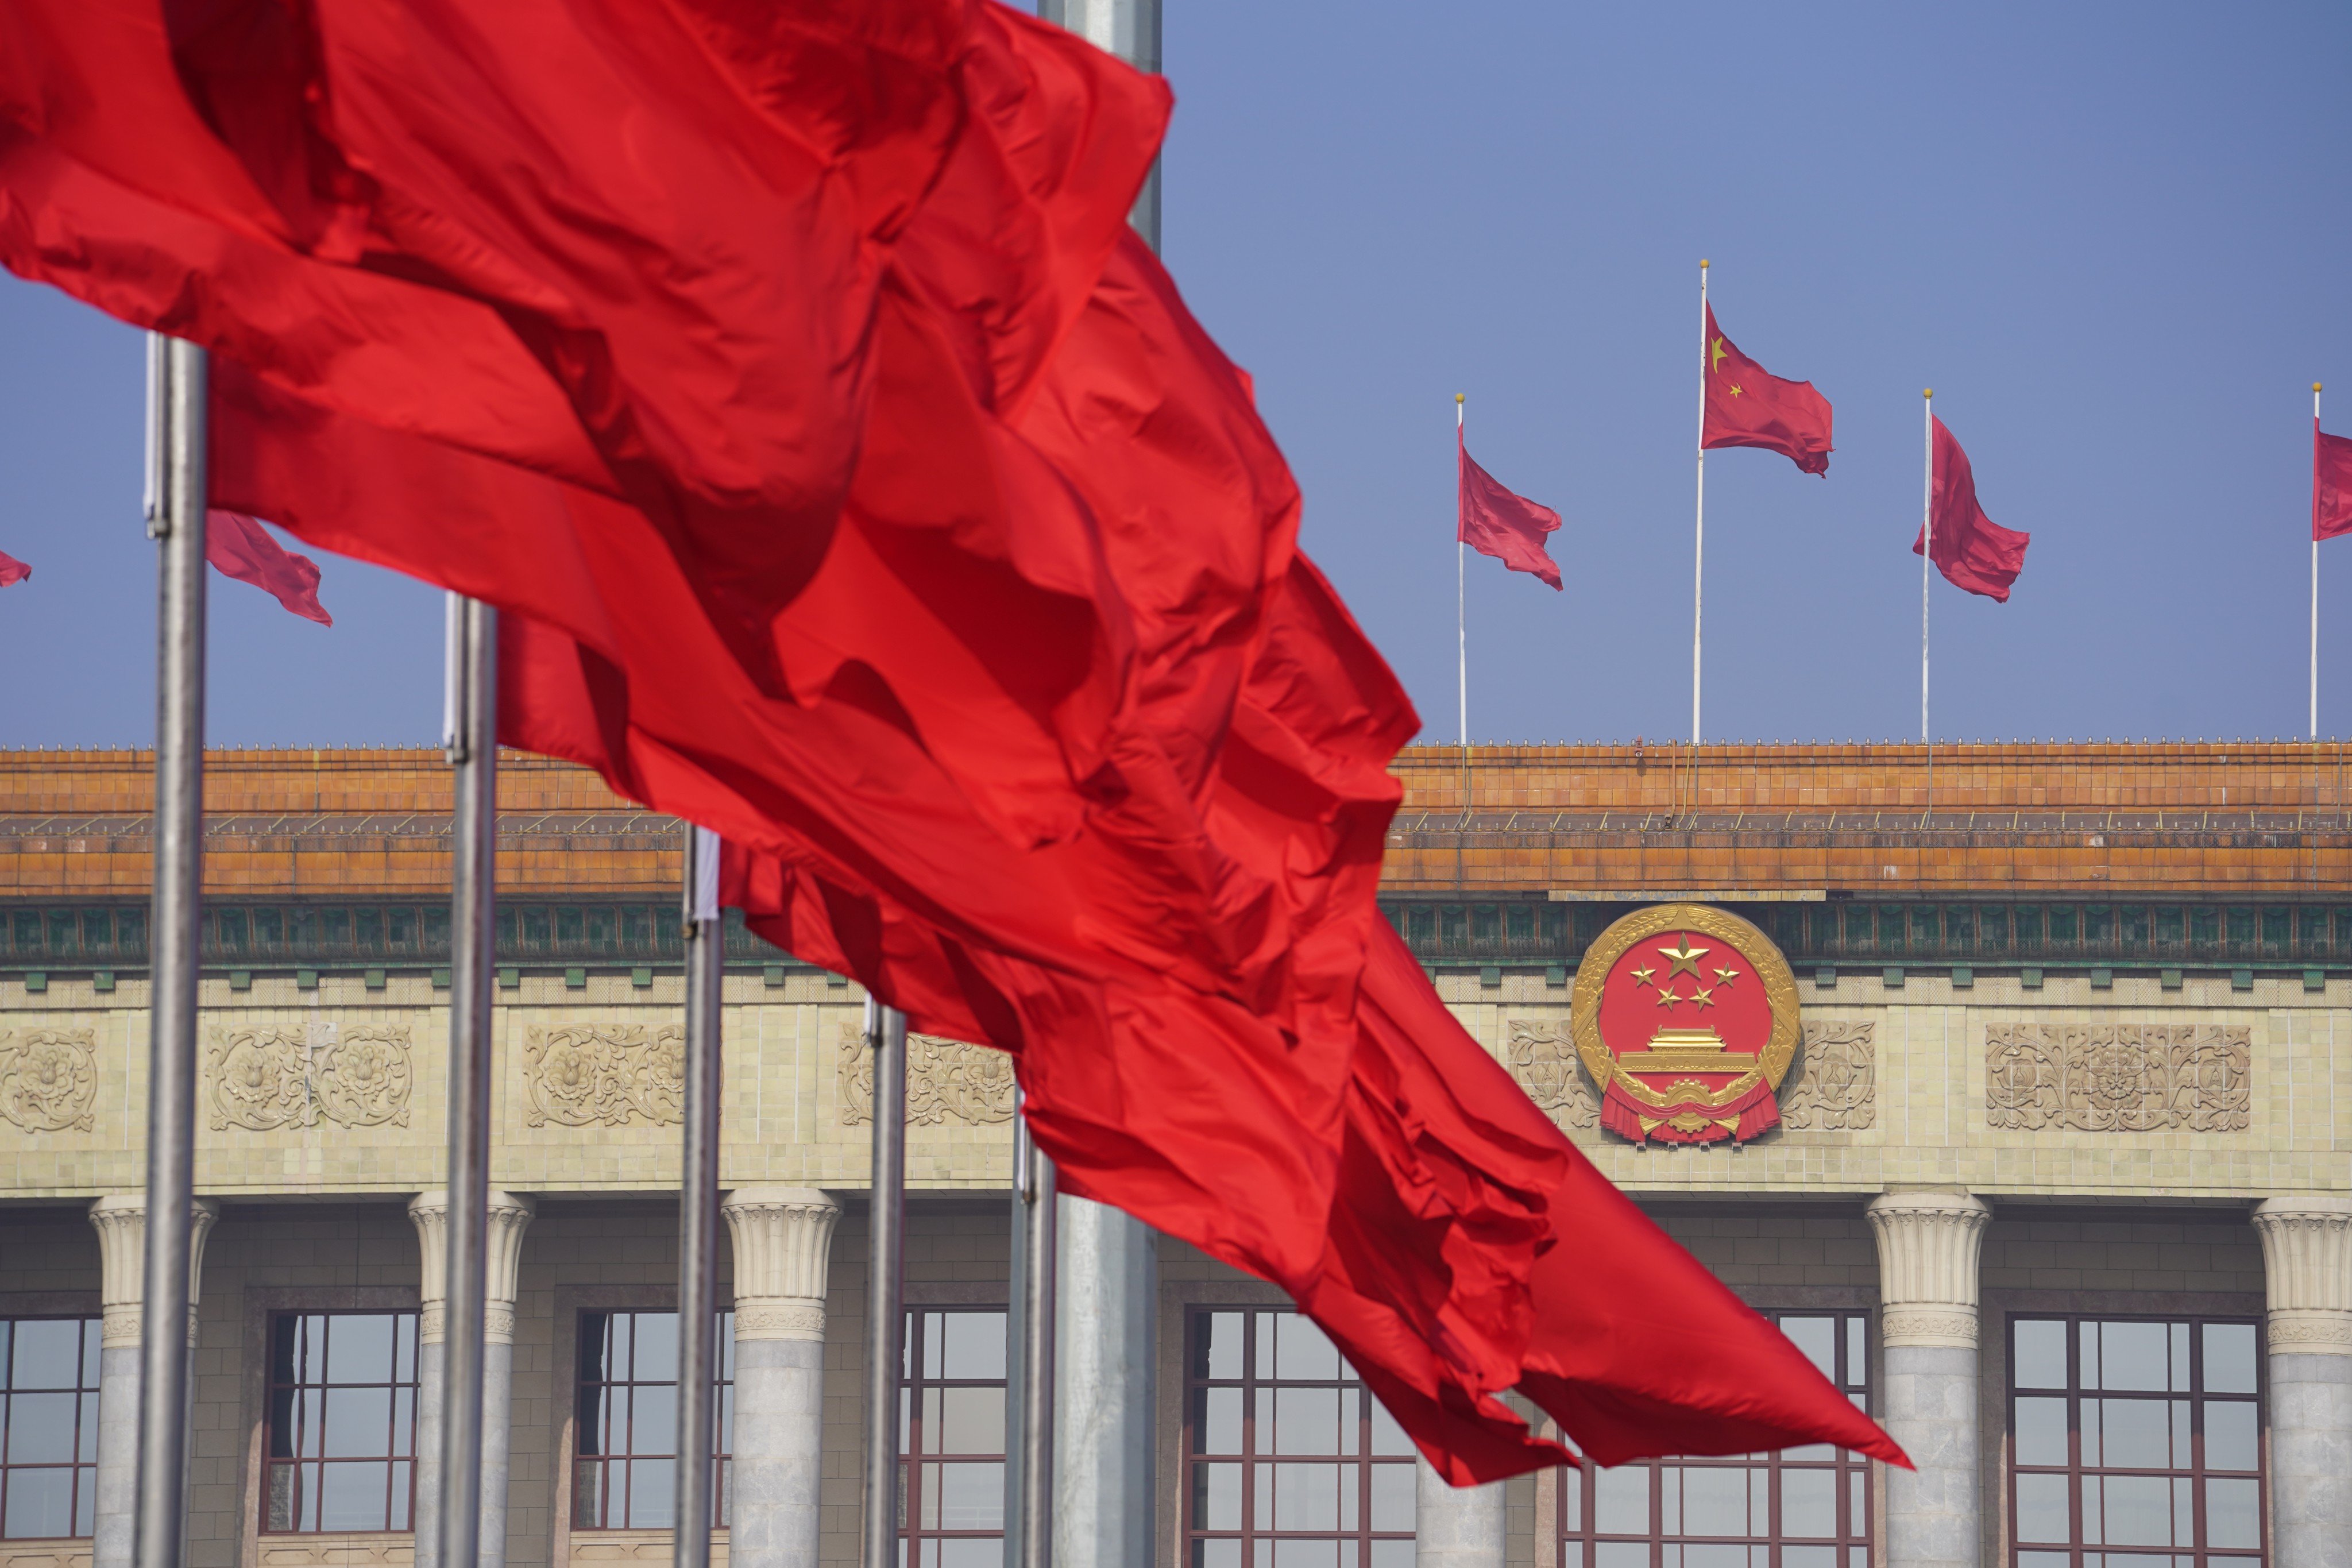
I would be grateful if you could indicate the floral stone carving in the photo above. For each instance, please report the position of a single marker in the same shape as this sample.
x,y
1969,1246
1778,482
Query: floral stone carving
x,y
584,1075
264,1078
946,1080
48,1080
1836,1089
2118,1078
1542,1057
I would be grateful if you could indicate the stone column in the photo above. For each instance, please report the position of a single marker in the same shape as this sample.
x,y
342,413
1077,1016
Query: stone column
x,y
509,1216
1456,1526
1928,1248
2307,1273
783,1247
120,1221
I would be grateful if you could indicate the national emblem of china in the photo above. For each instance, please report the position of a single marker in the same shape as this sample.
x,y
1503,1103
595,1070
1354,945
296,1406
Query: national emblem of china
x,y
1686,1017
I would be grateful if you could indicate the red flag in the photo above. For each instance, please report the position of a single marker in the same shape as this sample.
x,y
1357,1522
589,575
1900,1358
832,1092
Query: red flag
x,y
2331,482
12,571
858,486
239,547
1745,407
1971,550
1499,522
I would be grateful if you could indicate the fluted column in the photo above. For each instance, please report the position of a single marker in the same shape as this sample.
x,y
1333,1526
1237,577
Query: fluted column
x,y
783,1247
1929,1243
120,1221
2307,1276
1456,1526
511,1216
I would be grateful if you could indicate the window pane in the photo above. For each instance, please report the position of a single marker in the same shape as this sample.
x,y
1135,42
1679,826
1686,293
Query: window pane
x,y
653,1494
2041,1431
41,1429
2234,1513
2138,1512
353,1496
1715,1502
1216,1497
1807,1502
2133,1357
653,1347
359,1423
1817,1336
2229,1358
974,1343
972,1497
41,1504
46,1353
1302,1353
1219,1351
2042,1509
2229,1435
1306,1497
2041,1361
359,1348
1306,1421
1394,1497
2134,1434
1620,1501
971,1420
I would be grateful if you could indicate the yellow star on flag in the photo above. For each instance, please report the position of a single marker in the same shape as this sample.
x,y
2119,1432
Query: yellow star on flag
x,y
1734,391
1685,958
1717,351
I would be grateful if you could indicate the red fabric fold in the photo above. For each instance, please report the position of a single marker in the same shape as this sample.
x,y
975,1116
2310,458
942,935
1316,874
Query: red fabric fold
x,y
2331,483
1495,521
239,547
12,571
1748,406
1971,550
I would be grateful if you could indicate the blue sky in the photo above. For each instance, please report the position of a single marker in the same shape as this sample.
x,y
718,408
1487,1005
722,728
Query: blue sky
x,y
2114,239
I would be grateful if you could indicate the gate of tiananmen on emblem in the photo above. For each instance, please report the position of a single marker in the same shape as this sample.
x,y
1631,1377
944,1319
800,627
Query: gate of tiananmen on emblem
x,y
1686,1017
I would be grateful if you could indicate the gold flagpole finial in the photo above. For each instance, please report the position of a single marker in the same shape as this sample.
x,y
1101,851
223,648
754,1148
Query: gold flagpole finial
x,y
1702,264
1926,391
2314,387
1458,398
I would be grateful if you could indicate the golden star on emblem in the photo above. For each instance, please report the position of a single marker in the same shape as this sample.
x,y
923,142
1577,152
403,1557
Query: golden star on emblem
x,y
1718,355
1644,976
1685,958
1726,976
1704,996
1667,998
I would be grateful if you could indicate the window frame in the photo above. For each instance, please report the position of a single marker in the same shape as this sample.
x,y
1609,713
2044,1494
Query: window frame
x,y
913,1428
2200,1554
581,1458
1192,1536
1857,1479
82,1473
305,1465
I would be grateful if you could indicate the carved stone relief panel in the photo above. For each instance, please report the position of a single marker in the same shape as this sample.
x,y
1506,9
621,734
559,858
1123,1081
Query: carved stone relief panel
x,y
48,1080
584,1074
1836,1088
1542,1056
946,1080
264,1079
2118,1078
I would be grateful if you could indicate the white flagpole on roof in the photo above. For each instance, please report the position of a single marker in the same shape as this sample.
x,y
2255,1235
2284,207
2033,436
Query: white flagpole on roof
x,y
1698,552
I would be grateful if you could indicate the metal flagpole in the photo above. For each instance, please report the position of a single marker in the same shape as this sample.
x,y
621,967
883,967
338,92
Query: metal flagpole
x,y
472,746
697,1251
176,396
1029,1475
1698,552
1927,565
886,1283
2315,567
1461,600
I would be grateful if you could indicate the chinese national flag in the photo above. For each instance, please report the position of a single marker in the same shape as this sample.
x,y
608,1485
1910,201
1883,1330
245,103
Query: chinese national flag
x,y
2331,484
1747,407
1501,523
12,570
1971,550
239,547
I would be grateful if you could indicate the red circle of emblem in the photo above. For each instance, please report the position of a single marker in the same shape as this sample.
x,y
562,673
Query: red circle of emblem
x,y
1686,1017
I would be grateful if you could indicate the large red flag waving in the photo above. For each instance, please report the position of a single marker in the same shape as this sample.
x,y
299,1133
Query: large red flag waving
x,y
857,486
2331,482
1500,522
1971,550
1747,406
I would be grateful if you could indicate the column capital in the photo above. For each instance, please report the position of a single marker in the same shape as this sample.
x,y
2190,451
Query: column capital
x,y
2307,1272
783,1247
120,1221
1928,1243
509,1215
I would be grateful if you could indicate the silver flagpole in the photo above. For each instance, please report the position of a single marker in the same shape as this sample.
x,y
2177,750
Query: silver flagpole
x,y
2315,565
1461,600
1927,568
886,1283
1699,548
472,745
697,1251
1029,1476
176,399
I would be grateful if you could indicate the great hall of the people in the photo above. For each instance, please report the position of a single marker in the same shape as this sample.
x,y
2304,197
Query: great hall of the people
x,y
2052,1175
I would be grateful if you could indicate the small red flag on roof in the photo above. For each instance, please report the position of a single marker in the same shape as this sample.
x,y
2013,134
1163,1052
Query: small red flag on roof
x,y
2331,482
1971,550
1745,407
1500,522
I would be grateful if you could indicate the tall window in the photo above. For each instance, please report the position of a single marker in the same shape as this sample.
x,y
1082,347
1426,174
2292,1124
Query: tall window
x,y
1289,1461
624,1470
1800,1508
48,1426
952,1435
342,1441
2135,1443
